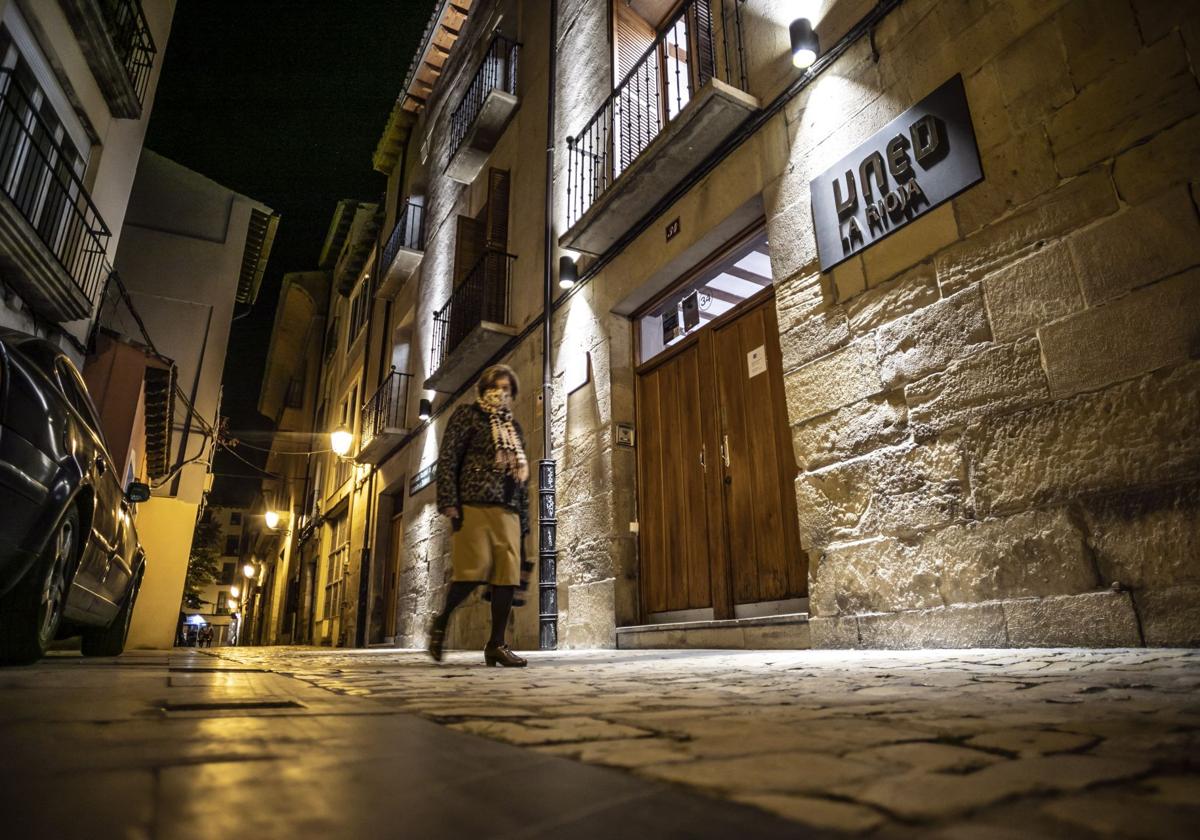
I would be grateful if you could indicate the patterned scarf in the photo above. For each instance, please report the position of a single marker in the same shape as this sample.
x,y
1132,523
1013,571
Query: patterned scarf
x,y
509,455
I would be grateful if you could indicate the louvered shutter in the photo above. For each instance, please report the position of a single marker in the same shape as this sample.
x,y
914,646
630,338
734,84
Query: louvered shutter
x,y
495,300
636,107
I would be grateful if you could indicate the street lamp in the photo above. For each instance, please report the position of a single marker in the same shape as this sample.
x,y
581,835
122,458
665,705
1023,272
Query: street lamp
x,y
272,519
234,591
340,441
248,570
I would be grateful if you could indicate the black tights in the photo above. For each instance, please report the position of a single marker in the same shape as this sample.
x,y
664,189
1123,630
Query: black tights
x,y
502,598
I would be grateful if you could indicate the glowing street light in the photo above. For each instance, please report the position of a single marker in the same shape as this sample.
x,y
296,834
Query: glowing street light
x,y
248,570
234,592
272,519
340,441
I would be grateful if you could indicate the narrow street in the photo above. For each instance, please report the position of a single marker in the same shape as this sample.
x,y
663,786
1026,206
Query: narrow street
x,y
299,742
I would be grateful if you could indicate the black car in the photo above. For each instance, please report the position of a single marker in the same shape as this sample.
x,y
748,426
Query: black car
x,y
70,560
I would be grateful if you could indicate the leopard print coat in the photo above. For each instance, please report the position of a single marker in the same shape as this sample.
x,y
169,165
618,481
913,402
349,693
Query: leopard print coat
x,y
466,468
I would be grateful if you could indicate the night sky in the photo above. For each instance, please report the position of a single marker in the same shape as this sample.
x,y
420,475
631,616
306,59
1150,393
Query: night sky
x,y
283,101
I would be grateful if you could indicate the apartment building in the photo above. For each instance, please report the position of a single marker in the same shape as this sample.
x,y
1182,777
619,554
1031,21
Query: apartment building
x,y
871,323
77,83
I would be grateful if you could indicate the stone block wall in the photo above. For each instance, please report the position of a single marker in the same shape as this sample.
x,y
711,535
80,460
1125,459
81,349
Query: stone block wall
x,y
996,409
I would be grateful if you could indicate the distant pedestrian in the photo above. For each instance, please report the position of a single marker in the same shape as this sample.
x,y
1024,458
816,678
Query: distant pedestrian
x,y
483,488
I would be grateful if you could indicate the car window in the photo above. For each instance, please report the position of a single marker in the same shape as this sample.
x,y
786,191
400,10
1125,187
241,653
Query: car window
x,y
77,395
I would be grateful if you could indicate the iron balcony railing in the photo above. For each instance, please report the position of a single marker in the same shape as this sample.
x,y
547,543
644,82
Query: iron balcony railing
x,y
409,233
692,49
497,71
482,296
386,408
132,40
37,175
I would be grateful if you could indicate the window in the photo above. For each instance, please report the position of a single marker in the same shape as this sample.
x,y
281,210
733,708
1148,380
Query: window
x,y
222,603
733,277
335,571
231,545
45,149
227,573
77,395
235,518
360,308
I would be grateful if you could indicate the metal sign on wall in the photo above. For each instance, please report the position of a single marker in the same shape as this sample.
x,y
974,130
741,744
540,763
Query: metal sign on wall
x,y
919,160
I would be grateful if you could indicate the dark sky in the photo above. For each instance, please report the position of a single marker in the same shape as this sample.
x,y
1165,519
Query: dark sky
x,y
283,101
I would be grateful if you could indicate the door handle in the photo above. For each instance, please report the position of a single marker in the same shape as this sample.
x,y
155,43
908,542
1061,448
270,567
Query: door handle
x,y
703,465
725,451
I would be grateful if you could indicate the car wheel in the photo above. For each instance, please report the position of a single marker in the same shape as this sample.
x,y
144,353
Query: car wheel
x,y
110,640
31,612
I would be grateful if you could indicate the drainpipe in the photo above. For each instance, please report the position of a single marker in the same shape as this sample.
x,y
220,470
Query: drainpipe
x,y
547,523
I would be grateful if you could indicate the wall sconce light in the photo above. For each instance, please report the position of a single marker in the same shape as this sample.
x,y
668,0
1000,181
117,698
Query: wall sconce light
x,y
340,441
568,272
248,570
271,517
234,592
424,410
805,47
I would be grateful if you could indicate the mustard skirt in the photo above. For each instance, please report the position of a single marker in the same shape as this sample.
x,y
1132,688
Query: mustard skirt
x,y
487,547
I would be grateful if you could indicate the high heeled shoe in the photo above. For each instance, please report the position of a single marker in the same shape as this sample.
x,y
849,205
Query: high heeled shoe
x,y
502,654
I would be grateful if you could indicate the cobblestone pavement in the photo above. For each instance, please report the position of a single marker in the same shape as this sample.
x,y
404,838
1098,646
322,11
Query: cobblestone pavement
x,y
979,744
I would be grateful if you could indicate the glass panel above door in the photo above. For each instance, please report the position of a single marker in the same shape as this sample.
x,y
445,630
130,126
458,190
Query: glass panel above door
x,y
719,288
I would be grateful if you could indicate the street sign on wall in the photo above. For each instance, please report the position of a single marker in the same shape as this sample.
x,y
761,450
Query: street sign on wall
x,y
919,160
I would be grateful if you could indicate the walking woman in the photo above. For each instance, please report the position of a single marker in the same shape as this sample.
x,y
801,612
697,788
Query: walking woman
x,y
482,484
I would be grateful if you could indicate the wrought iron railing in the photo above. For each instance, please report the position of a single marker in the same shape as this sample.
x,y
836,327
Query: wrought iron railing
x,y
386,408
37,175
132,40
692,49
482,296
497,71
409,233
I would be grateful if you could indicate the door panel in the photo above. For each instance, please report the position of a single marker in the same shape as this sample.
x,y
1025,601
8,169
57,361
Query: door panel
x,y
674,521
760,502
392,581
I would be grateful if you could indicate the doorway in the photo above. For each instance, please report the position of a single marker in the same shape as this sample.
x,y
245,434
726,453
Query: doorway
x,y
718,530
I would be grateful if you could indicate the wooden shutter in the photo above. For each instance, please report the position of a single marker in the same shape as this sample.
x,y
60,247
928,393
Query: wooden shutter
x,y
633,37
497,210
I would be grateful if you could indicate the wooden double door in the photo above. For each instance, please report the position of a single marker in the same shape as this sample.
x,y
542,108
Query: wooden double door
x,y
717,507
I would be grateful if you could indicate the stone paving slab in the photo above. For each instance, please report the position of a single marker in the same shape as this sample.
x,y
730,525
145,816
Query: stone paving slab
x,y
978,743
92,749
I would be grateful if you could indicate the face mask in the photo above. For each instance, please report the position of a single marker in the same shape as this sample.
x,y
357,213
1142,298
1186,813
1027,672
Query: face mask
x,y
495,398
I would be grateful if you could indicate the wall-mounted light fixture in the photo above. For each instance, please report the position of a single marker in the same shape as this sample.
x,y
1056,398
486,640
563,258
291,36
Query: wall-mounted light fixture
x,y
424,410
271,517
805,47
568,272
340,440
248,570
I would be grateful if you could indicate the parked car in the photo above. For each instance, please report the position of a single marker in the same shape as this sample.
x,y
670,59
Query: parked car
x,y
70,560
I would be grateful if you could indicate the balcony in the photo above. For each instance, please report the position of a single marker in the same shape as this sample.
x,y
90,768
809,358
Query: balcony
x,y
52,238
680,101
485,110
403,252
384,418
474,323
118,47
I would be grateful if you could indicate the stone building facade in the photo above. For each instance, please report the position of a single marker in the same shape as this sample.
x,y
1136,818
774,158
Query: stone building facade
x,y
978,430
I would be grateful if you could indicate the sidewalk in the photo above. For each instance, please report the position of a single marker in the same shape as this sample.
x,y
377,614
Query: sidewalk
x,y
186,745
980,744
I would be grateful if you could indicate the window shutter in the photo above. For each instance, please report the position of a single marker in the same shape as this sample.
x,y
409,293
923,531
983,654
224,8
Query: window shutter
x,y
497,210
634,36
468,247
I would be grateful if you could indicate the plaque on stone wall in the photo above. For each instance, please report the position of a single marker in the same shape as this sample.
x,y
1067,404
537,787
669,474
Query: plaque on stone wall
x,y
919,160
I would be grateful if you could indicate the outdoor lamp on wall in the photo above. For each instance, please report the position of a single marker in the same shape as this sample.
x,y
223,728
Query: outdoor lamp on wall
x,y
424,410
248,570
804,43
340,441
568,272
234,592
272,519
